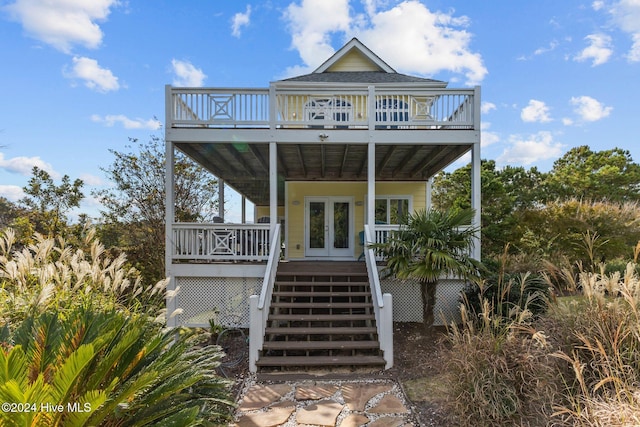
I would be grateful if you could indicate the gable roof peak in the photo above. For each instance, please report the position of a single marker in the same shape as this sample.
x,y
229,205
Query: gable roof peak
x,y
355,44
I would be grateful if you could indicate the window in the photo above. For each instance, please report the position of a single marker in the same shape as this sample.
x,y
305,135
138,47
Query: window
x,y
391,209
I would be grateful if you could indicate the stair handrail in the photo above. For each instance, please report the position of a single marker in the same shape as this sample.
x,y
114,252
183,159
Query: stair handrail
x,y
259,305
382,303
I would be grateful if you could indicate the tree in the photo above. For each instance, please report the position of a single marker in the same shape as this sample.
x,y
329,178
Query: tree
x,y
49,203
504,192
429,245
134,210
595,175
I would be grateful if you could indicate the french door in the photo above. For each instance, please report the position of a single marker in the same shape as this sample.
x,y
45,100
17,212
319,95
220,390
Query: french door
x,y
329,227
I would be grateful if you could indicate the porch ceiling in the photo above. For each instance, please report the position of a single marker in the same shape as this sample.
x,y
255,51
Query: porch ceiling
x,y
245,167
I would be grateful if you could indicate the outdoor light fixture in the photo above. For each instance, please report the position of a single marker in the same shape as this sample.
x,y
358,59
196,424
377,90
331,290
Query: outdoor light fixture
x,y
323,136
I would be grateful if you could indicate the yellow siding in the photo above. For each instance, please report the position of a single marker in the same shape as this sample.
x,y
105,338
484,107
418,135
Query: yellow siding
x,y
354,61
297,191
260,211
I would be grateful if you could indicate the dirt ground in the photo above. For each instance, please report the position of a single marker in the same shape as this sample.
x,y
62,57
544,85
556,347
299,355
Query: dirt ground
x,y
418,366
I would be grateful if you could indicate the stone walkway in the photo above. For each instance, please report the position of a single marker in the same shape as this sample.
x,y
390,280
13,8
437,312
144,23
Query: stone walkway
x,y
340,403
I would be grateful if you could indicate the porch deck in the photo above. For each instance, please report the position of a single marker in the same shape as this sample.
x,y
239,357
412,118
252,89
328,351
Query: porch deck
x,y
315,267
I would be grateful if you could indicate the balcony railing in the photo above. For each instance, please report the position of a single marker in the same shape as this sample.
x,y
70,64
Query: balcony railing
x,y
400,108
220,242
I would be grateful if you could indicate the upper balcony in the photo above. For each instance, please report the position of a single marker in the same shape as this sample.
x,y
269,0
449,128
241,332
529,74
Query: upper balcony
x,y
324,107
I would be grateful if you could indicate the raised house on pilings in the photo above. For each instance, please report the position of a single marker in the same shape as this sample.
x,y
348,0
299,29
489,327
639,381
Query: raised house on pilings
x,y
329,161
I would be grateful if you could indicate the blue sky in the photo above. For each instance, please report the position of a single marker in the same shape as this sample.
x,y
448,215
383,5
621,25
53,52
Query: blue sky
x,y
79,77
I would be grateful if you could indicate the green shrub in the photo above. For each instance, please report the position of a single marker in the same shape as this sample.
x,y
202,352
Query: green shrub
x,y
119,369
508,295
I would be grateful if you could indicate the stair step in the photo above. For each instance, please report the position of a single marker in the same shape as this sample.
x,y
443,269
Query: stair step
x,y
319,283
320,345
320,294
342,330
321,304
321,317
319,360
323,273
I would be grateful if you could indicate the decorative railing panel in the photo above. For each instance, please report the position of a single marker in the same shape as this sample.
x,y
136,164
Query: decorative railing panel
x,y
220,107
327,107
212,242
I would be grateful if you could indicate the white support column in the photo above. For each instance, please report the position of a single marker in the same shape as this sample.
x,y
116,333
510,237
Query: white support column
x,y
371,162
429,193
476,172
221,198
273,184
244,210
476,196
169,220
371,184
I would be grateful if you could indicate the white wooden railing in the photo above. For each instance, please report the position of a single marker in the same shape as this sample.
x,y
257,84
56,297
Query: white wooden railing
x,y
238,242
259,305
382,304
393,108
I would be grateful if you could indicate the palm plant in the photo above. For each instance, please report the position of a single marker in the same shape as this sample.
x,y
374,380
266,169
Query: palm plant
x,y
108,368
429,245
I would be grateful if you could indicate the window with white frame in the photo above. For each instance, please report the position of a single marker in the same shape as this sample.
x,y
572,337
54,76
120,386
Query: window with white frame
x,y
391,209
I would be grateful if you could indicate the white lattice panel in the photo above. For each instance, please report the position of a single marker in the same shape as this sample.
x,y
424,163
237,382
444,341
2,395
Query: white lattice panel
x,y
407,302
225,299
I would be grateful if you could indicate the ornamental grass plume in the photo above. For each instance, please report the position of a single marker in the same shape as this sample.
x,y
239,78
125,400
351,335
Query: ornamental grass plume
x,y
51,273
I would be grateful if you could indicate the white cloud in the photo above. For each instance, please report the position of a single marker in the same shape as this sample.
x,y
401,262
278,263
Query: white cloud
x,y
12,192
63,23
94,76
186,74
91,180
590,109
487,107
634,52
488,137
536,111
626,14
239,21
311,23
423,42
528,150
24,165
112,119
597,5
567,121
599,50
542,50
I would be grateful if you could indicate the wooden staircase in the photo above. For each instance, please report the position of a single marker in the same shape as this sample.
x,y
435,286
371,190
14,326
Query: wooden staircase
x,y
321,316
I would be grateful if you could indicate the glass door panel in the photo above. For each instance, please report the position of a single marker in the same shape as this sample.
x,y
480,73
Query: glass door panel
x,y
341,225
317,215
329,227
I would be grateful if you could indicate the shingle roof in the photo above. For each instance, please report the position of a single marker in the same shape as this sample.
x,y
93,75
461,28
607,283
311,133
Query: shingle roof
x,y
360,77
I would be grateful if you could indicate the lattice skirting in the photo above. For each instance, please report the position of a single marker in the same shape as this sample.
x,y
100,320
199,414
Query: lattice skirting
x,y
407,303
224,299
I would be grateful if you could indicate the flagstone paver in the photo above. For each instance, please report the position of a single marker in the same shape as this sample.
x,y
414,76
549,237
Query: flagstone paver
x,y
387,422
273,417
354,420
323,413
260,396
339,403
357,395
389,404
315,391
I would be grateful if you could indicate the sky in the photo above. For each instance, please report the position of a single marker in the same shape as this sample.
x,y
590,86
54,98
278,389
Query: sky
x,y
80,77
